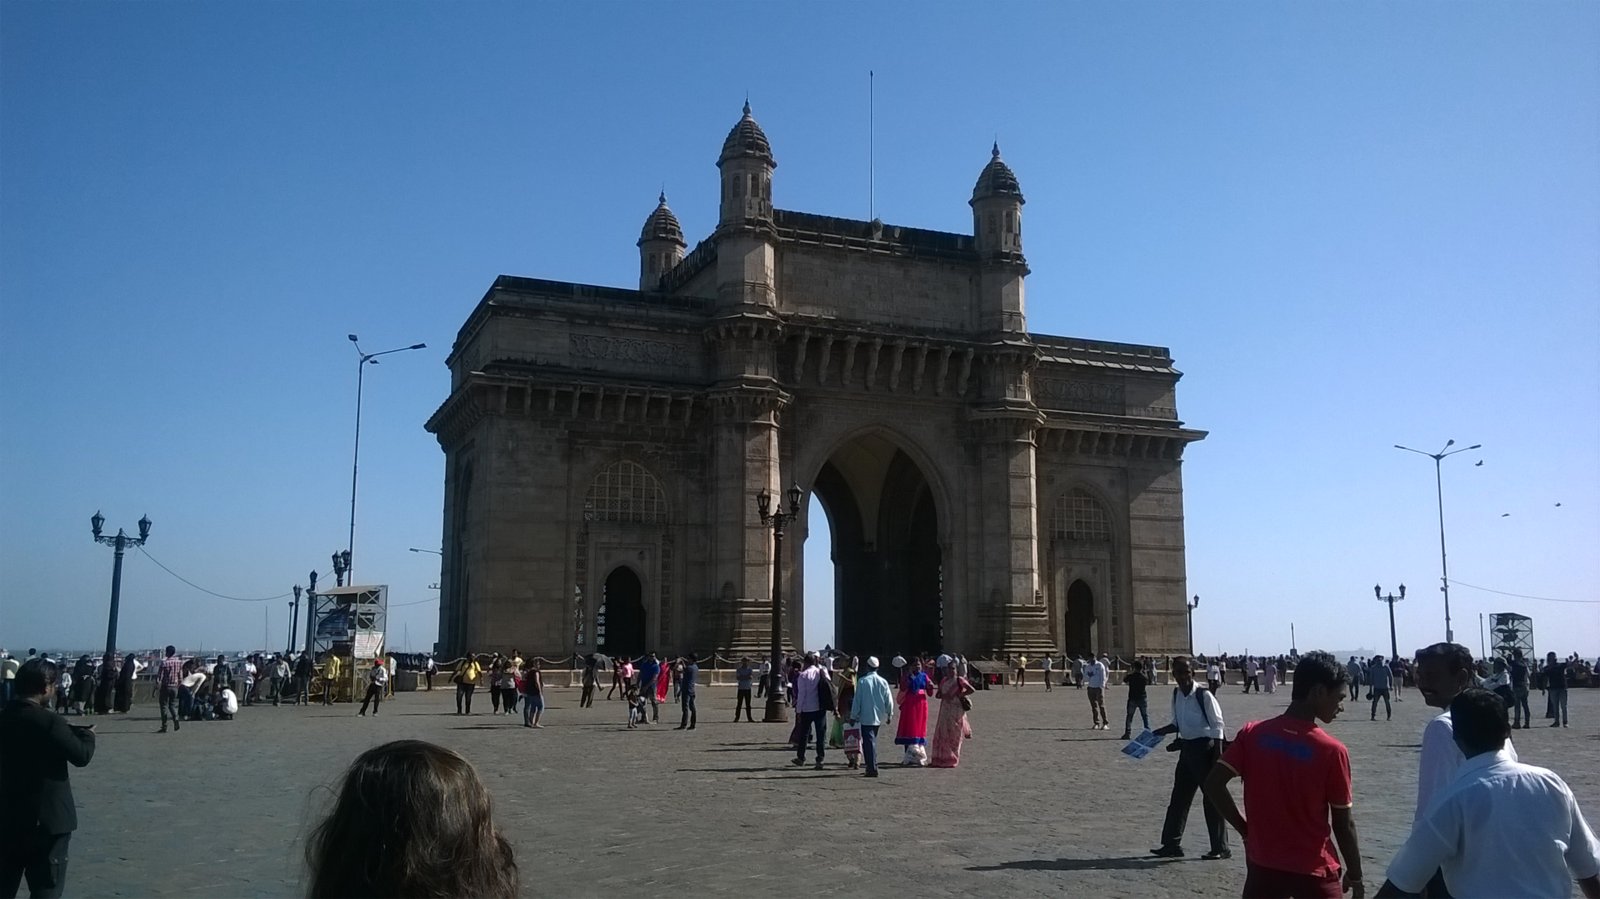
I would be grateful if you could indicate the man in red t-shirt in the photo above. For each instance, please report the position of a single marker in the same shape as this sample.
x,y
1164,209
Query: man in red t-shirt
x,y
1296,777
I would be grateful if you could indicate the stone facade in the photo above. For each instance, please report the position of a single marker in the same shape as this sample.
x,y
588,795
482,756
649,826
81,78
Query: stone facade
x,y
989,490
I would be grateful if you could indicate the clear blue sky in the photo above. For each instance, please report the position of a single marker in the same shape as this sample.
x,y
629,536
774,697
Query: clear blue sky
x,y
1354,224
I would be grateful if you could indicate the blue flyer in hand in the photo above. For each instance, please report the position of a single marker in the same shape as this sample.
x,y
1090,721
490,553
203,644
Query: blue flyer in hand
x,y
1142,745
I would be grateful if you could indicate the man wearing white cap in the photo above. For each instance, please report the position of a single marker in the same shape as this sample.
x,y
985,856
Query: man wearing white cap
x,y
873,707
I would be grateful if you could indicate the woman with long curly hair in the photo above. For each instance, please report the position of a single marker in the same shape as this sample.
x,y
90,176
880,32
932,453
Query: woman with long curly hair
x,y
412,819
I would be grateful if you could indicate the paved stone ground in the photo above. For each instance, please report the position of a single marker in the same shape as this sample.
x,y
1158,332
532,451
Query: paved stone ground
x,y
1041,804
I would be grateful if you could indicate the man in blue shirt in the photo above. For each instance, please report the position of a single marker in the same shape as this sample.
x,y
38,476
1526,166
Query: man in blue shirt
x,y
691,674
872,708
649,670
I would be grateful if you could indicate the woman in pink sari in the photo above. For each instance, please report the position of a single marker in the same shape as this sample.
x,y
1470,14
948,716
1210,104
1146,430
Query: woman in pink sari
x,y
952,727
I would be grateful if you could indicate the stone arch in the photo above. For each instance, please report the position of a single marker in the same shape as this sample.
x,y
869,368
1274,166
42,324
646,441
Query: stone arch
x,y
885,504
1084,561
817,454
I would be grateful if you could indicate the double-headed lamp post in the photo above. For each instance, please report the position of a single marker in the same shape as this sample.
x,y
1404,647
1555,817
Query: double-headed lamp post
x,y
1391,599
1438,483
355,463
1192,604
120,544
778,519
341,567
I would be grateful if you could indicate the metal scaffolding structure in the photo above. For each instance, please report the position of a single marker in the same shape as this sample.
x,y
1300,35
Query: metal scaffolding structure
x,y
1508,631
351,623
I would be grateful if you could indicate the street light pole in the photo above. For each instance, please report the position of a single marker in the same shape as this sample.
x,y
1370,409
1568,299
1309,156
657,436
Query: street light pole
x,y
1194,604
341,566
294,619
1438,483
119,544
311,611
355,462
1391,599
778,520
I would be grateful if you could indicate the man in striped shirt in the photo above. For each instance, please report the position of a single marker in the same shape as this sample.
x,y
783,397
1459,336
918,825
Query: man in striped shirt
x,y
167,680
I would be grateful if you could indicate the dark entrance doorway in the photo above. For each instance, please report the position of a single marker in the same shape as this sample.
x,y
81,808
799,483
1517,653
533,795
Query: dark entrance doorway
x,y
620,624
1080,620
888,581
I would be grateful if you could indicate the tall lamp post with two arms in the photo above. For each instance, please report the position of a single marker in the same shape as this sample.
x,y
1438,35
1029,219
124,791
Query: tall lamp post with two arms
x,y
777,519
119,543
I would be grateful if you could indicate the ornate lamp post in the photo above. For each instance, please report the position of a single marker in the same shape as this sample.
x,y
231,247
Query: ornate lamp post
x,y
1438,483
778,520
119,544
1391,599
1192,604
341,565
355,463
311,610
294,619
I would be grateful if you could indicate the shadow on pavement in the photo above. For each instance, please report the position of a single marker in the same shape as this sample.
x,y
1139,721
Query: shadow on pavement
x,y
1124,863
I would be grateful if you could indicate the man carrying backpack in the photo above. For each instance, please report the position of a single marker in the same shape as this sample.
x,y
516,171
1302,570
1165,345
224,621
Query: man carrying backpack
x,y
1197,720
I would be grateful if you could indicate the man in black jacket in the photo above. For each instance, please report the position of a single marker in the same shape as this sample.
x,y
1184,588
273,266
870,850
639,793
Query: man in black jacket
x,y
35,746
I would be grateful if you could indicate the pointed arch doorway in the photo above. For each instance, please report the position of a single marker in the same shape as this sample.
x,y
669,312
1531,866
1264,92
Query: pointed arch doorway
x,y
620,626
1079,625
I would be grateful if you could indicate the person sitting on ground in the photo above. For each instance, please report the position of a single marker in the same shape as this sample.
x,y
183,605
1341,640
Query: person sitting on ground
x,y
412,819
225,703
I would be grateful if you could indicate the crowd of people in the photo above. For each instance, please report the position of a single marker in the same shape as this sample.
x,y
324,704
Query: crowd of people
x,y
1484,823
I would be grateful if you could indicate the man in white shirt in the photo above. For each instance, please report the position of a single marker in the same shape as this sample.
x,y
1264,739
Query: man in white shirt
x,y
1251,675
1098,671
1048,660
250,673
1197,720
1443,670
1501,828
227,704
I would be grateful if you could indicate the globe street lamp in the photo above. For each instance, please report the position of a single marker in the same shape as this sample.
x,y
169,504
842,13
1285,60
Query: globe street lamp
x,y
778,520
1194,604
119,544
1391,599
1438,482
355,463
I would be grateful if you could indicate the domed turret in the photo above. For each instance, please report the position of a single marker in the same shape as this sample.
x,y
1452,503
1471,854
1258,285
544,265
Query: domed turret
x,y
997,209
746,163
660,245
662,224
996,179
747,139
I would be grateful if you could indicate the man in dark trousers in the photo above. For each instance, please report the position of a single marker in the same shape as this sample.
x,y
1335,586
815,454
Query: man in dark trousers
x,y
35,746
686,688
1197,720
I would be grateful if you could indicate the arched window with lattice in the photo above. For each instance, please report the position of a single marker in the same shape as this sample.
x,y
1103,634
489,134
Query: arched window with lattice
x,y
626,492
1080,517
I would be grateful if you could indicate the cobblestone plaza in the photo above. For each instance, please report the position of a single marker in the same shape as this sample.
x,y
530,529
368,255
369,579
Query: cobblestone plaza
x,y
1041,805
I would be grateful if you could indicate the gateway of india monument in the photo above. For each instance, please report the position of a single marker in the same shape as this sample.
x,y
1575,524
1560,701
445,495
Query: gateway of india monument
x,y
988,490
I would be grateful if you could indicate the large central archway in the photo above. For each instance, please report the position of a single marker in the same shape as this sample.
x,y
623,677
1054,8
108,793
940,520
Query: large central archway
x,y
887,566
